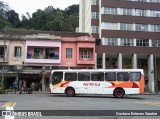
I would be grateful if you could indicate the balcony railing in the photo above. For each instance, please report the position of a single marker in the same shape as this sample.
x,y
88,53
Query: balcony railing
x,y
41,56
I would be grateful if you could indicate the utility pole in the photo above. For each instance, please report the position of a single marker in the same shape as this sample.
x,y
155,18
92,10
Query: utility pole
x,y
4,57
155,67
43,78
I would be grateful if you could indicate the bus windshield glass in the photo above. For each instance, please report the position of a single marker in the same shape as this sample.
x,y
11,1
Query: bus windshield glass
x,y
57,77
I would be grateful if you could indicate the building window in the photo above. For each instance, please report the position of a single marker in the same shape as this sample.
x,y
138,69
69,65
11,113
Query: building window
x,y
112,26
126,11
124,26
141,0
141,27
110,41
154,13
17,52
154,1
127,42
68,52
155,28
2,51
85,53
95,15
109,10
155,43
142,42
94,2
95,29
140,12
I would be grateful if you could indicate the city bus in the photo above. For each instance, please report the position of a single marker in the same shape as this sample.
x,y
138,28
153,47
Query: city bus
x,y
118,82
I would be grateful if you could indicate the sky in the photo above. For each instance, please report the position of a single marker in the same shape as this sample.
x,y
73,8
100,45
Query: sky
x,y
24,6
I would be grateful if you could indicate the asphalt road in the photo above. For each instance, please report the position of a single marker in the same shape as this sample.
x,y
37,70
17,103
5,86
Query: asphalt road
x,y
105,106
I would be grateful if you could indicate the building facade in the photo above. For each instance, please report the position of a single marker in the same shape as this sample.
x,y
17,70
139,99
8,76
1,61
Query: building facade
x,y
127,35
78,52
31,55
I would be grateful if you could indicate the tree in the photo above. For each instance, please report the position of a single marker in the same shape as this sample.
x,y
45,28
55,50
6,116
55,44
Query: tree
x,y
13,18
39,19
49,19
55,22
3,9
71,10
73,20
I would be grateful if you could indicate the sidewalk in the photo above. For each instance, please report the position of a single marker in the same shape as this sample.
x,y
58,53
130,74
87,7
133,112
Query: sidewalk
x,y
34,92
149,93
47,92
41,92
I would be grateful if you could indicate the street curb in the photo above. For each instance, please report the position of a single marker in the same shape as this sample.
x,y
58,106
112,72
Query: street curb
x,y
46,92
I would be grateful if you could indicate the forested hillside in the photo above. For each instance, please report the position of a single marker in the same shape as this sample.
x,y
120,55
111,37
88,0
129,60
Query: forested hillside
x,y
49,19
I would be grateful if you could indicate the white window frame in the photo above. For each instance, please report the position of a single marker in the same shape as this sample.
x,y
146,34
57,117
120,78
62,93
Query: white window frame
x,y
110,10
141,27
125,26
127,42
68,53
94,2
95,15
142,42
17,51
85,53
95,29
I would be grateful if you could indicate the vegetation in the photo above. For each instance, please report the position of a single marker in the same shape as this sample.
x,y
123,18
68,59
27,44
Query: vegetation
x,y
49,19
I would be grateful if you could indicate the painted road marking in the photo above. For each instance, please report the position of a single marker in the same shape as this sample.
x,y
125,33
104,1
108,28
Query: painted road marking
x,y
150,103
9,104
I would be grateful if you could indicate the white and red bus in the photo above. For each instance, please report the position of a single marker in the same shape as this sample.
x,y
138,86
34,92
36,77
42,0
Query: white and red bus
x,y
118,82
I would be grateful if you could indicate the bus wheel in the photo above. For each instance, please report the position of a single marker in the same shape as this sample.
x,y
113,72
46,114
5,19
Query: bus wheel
x,y
70,92
118,93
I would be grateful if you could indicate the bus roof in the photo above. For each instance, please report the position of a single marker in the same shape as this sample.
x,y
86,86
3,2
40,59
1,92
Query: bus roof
x,y
99,70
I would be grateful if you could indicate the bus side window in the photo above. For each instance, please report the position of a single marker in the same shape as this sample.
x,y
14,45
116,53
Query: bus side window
x,y
84,76
122,76
106,77
97,76
71,76
110,76
135,76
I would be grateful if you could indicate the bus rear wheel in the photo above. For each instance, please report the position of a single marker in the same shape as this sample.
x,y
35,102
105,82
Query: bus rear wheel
x,y
70,92
118,93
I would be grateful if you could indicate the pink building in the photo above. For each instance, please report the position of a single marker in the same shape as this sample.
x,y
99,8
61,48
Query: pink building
x,y
43,51
78,52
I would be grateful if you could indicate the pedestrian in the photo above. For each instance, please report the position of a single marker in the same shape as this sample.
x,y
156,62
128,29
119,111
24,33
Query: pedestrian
x,y
33,86
15,86
24,86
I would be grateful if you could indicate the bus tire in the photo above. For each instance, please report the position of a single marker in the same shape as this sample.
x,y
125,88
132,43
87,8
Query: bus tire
x,y
70,92
118,93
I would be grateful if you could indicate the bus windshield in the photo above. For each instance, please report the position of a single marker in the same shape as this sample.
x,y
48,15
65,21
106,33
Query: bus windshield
x,y
57,77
